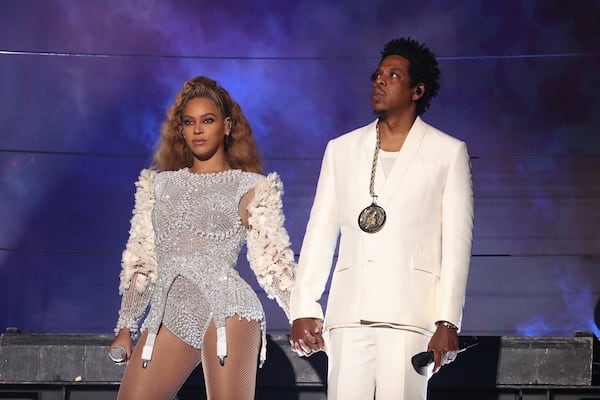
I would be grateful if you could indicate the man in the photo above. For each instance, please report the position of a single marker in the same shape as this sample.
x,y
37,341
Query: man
x,y
398,192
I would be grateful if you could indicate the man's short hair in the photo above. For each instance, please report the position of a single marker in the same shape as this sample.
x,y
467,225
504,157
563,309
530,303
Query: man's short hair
x,y
423,67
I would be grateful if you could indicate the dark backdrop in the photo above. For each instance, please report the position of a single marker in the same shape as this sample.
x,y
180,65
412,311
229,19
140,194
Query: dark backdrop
x,y
85,85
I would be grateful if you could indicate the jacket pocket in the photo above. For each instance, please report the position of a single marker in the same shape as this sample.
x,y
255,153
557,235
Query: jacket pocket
x,y
341,265
426,263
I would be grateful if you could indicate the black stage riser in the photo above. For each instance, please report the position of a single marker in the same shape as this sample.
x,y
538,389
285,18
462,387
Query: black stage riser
x,y
75,366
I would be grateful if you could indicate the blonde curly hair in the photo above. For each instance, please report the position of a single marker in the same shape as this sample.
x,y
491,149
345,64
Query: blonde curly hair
x,y
240,147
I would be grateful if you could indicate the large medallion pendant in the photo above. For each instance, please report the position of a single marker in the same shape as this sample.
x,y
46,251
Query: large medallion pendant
x,y
372,218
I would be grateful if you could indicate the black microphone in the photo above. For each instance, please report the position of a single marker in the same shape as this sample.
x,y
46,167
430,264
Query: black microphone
x,y
421,361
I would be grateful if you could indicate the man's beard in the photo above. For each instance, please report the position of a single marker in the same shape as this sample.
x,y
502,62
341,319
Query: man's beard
x,y
380,113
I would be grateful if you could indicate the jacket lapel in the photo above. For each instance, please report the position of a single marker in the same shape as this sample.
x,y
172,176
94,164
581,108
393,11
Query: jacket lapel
x,y
368,139
407,154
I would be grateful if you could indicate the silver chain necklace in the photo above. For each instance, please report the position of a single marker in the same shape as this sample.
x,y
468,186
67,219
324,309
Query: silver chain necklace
x,y
372,218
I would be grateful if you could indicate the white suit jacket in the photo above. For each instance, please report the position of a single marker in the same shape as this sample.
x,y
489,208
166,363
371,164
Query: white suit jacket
x,y
414,270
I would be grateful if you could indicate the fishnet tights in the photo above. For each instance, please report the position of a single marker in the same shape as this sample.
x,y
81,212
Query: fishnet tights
x,y
236,380
174,360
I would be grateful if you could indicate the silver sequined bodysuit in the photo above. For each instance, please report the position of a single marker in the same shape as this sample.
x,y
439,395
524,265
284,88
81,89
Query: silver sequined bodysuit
x,y
198,235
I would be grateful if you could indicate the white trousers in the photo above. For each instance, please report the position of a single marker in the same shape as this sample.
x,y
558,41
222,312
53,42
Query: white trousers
x,y
367,363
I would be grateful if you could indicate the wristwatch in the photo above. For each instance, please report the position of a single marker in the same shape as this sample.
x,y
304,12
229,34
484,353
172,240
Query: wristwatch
x,y
447,324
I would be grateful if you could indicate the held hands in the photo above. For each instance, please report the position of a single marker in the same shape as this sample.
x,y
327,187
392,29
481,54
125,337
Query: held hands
x,y
122,339
306,337
444,345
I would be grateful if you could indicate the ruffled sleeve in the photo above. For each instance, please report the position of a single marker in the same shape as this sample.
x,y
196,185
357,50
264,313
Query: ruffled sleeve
x,y
138,262
269,252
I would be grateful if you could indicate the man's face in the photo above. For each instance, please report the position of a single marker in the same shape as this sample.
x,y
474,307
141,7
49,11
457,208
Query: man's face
x,y
391,86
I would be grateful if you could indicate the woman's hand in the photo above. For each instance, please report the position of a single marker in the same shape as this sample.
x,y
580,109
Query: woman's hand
x,y
122,339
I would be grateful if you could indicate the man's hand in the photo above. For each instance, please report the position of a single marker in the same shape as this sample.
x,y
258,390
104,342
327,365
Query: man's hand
x,y
306,336
444,345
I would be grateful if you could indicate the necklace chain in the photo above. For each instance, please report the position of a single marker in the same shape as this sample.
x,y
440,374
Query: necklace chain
x,y
374,166
372,218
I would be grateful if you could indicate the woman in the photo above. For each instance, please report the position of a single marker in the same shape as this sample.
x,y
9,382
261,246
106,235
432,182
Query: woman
x,y
188,225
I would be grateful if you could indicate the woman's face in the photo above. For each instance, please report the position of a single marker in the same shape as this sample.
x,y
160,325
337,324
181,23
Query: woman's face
x,y
204,127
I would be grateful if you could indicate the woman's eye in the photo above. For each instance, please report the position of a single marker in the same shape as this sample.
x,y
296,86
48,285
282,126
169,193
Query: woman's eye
x,y
209,120
187,122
